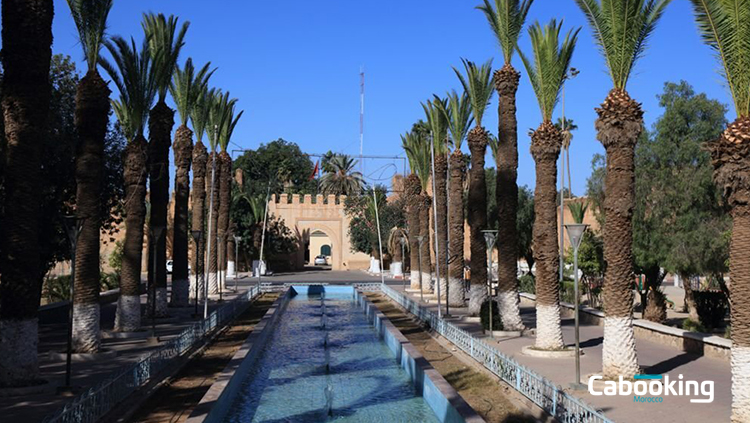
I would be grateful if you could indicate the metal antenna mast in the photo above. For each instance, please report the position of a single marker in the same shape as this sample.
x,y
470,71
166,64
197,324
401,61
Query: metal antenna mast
x,y
361,117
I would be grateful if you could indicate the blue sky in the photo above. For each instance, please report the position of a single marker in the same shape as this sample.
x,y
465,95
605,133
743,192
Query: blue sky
x,y
294,66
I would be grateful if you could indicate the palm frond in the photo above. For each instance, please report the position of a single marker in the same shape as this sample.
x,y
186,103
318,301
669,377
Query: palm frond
x,y
417,149
341,178
134,76
506,20
222,108
551,63
438,123
578,210
187,86
166,42
621,29
90,17
458,117
725,27
202,112
478,85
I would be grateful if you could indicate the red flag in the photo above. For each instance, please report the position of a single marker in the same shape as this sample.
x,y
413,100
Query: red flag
x,y
315,171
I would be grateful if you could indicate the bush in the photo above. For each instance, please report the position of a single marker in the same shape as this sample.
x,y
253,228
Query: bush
x,y
109,281
497,323
56,288
693,326
115,259
567,292
712,308
527,284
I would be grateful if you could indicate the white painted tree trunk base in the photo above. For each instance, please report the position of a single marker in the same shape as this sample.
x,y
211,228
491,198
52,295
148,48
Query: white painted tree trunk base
x,y
213,283
396,269
231,269
548,329
477,295
443,288
180,293
618,352
374,266
510,311
191,291
456,294
740,384
86,328
128,314
19,361
426,282
414,278
162,308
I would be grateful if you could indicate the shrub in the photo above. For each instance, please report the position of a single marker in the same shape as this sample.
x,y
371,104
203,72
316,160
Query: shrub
x,y
109,281
693,326
567,291
56,288
527,284
115,259
712,308
497,323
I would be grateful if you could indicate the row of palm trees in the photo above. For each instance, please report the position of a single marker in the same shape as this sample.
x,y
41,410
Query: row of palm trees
x,y
621,29
144,75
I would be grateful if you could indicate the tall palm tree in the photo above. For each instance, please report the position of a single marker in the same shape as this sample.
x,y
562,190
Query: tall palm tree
x,y
133,75
186,88
621,29
225,187
412,190
91,118
26,56
726,29
547,70
417,148
506,20
200,120
439,132
477,84
458,116
165,42
342,179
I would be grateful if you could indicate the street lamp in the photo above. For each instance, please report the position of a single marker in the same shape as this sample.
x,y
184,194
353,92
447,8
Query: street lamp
x,y
420,239
221,241
237,240
402,240
155,233
566,145
197,237
575,233
490,236
73,226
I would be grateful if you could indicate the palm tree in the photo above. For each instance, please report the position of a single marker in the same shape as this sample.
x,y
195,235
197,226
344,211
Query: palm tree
x,y
726,29
506,20
26,56
412,190
547,73
165,44
133,74
91,116
199,118
621,30
439,132
225,187
477,84
186,89
341,178
458,116
417,149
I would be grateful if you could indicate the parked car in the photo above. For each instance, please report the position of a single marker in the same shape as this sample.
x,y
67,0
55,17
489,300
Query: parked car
x,y
321,261
169,267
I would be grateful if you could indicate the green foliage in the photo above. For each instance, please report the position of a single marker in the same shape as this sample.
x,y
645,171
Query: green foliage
x,y
222,120
437,123
527,283
188,86
725,27
363,231
551,62
478,84
621,28
417,148
458,115
578,210
567,291
115,258
90,17
280,163
712,308
484,313
693,326
595,186
165,44
201,112
506,20
341,178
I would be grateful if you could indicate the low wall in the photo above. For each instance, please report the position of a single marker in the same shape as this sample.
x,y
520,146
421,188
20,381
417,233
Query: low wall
x,y
692,342
444,401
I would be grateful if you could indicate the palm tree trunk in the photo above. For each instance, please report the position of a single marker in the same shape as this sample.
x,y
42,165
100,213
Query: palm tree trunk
x,y
506,84
441,177
26,55
198,223
160,122
225,195
411,190
183,152
92,115
730,155
135,174
690,305
457,296
477,210
424,231
545,148
212,173
619,124
232,262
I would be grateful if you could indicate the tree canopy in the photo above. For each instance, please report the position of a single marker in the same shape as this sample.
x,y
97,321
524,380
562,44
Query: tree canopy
x,y
281,163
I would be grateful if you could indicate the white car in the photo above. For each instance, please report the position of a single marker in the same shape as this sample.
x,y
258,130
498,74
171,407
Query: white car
x,y
321,261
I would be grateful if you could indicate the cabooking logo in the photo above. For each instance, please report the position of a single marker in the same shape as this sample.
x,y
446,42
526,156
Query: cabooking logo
x,y
653,388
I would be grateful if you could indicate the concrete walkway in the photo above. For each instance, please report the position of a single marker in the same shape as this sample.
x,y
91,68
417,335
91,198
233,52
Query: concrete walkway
x,y
53,337
653,357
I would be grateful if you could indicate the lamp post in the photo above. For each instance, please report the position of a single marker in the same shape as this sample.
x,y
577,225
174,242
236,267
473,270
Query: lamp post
x,y
73,226
490,236
221,274
420,239
435,218
237,240
575,233
155,233
402,240
197,237
572,74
